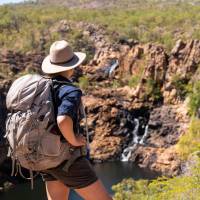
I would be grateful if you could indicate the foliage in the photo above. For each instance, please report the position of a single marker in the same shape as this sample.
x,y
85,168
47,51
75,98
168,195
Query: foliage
x,y
134,81
176,188
194,99
190,142
83,82
23,26
130,190
136,78
182,86
115,84
152,90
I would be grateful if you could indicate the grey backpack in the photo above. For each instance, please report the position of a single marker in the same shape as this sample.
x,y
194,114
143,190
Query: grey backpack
x,y
29,124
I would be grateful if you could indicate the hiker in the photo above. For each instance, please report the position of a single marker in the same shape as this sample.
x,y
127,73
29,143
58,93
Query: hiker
x,y
59,65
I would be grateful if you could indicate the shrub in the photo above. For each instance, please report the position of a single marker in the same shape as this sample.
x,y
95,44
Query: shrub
x,y
181,85
152,90
115,84
190,141
83,82
194,99
136,78
177,188
134,81
129,189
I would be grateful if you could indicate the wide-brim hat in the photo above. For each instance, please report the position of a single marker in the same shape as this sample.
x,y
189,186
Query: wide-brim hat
x,y
61,58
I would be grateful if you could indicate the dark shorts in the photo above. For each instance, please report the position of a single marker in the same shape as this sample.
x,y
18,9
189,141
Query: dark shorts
x,y
79,175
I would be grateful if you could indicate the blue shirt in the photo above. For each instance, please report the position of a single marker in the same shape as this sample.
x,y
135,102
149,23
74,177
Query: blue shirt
x,y
68,99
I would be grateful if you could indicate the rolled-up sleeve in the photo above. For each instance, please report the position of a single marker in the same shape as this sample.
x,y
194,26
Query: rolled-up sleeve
x,y
69,103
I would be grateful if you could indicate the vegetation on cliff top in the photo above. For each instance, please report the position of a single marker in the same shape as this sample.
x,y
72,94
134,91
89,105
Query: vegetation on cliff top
x,y
23,26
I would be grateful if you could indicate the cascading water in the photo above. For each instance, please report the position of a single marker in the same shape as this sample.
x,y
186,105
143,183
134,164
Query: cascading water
x,y
135,131
135,141
144,137
113,67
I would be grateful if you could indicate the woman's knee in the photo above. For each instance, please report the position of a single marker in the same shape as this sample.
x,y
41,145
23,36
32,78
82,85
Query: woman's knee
x,y
90,192
56,190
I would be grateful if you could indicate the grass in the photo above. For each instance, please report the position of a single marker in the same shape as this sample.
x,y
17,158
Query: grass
x,y
190,142
21,27
194,99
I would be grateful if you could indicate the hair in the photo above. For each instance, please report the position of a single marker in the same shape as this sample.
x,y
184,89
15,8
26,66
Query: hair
x,y
56,74
52,75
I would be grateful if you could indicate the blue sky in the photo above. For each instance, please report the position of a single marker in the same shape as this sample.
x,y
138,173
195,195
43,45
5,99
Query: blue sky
x,y
10,1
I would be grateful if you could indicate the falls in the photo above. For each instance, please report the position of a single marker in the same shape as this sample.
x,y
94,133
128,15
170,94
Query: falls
x,y
126,154
113,67
144,137
135,131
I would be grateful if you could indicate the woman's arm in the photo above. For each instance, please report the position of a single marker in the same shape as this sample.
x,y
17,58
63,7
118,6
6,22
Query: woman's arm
x,y
65,125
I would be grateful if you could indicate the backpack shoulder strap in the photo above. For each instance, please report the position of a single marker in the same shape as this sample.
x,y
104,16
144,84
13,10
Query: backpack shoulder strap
x,y
57,84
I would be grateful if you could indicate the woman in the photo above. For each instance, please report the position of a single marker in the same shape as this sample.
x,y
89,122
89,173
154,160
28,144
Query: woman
x,y
59,64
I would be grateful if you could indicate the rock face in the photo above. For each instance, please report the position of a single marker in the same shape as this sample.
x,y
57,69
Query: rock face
x,y
114,103
110,125
168,111
13,62
183,63
166,124
4,85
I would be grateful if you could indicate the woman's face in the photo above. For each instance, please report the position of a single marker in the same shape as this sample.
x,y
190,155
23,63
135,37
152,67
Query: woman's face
x,y
68,73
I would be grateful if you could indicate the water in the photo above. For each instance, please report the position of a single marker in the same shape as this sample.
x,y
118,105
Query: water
x,y
113,67
136,140
109,173
144,137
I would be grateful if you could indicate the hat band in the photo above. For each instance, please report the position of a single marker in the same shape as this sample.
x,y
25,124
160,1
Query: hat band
x,y
60,63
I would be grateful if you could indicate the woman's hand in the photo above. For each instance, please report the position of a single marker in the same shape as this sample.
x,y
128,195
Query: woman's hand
x,y
79,141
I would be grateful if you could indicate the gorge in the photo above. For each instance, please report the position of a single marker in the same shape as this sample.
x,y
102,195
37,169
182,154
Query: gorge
x,y
135,94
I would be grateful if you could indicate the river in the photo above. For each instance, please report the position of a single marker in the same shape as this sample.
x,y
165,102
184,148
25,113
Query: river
x,y
110,173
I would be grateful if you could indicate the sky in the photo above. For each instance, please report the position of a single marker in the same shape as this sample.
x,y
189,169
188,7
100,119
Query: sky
x,y
10,1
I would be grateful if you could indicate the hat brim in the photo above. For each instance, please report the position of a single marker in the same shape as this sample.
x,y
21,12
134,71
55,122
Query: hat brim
x,y
50,68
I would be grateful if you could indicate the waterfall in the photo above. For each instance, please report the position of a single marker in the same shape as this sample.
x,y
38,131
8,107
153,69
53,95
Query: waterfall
x,y
113,67
135,131
135,141
144,137
127,153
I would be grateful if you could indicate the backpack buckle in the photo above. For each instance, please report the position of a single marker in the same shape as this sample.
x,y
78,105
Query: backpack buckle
x,y
83,150
71,149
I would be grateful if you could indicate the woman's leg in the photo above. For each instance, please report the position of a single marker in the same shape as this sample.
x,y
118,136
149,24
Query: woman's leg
x,y
95,191
56,190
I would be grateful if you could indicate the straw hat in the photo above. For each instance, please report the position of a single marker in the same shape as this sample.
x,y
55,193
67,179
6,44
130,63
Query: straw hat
x,y
61,58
